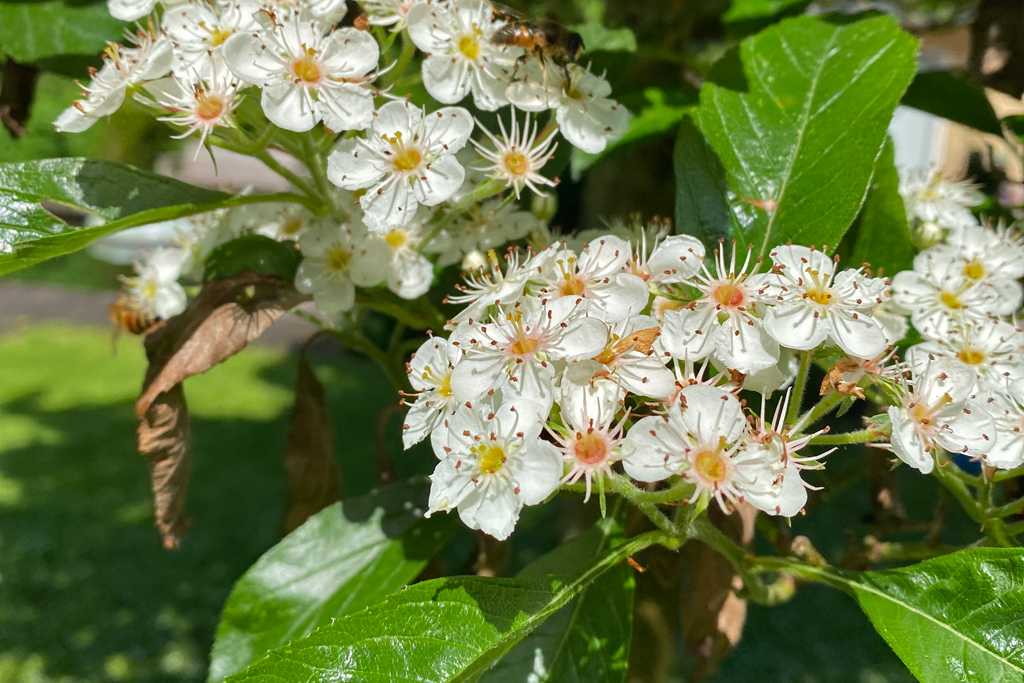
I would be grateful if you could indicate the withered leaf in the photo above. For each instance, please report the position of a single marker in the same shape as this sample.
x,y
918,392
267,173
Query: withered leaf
x,y
165,439
314,477
641,340
833,380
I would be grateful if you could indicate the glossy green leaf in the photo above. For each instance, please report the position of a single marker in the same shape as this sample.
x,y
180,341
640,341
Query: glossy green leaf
x,y
883,235
115,196
955,98
342,559
799,145
959,617
659,117
30,31
588,639
450,629
253,252
702,201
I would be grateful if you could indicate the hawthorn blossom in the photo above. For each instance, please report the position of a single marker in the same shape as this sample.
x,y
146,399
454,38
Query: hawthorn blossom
x,y
461,58
590,441
1007,410
993,350
597,276
723,320
484,226
198,105
673,260
514,351
407,159
122,67
930,198
154,290
493,463
390,13
989,259
411,272
587,117
306,73
198,30
132,10
936,413
490,286
814,303
430,373
518,156
336,259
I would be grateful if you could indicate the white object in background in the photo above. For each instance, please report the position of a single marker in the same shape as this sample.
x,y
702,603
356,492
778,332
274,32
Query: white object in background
x,y
125,247
919,138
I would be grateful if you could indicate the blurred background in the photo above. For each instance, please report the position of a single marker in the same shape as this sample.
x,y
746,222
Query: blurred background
x,y
86,592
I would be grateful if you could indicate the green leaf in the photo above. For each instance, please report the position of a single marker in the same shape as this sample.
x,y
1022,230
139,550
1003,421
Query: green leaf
x,y
30,31
115,195
450,629
588,639
596,36
702,202
659,117
747,10
253,252
955,98
883,235
342,559
799,147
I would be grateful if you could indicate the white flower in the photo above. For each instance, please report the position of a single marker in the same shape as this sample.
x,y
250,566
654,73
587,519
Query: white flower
x,y
991,349
931,199
155,290
411,272
461,58
485,226
388,12
514,351
936,413
814,303
597,276
198,105
130,10
993,261
1007,410
700,437
494,463
586,116
122,67
430,372
336,258
407,159
198,29
939,295
722,321
590,441
307,74
628,360
484,288
279,222
518,157
674,259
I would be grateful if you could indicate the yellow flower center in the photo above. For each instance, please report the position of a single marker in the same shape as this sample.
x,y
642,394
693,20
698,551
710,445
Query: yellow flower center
x,y
591,449
338,258
711,466
490,457
406,158
729,295
396,238
149,290
291,226
516,163
218,36
573,286
209,107
820,296
974,270
951,301
971,356
524,346
446,386
469,46
306,68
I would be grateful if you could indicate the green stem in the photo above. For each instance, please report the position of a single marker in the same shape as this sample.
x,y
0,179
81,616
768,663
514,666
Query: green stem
x,y
959,489
1008,509
799,384
278,168
1015,529
426,318
313,158
1008,474
847,438
484,190
623,487
820,409
408,50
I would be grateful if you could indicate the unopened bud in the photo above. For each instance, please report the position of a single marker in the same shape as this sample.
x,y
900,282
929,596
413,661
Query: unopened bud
x,y
927,234
474,260
544,206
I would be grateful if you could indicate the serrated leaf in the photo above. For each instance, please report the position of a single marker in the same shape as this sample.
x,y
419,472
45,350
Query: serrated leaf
x,y
959,617
30,31
799,147
342,559
118,195
450,629
659,117
588,639
955,98
883,235
702,201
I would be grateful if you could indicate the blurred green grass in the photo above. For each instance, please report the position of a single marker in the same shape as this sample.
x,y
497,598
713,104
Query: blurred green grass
x,y
86,592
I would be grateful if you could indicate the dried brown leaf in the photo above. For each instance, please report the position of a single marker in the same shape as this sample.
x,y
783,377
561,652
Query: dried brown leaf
x,y
165,440
833,379
314,477
641,340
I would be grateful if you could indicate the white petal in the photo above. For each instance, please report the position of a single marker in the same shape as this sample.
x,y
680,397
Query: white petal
x,y
440,181
345,106
424,29
749,351
907,444
710,413
337,298
410,276
679,333
353,167
249,61
495,513
349,52
537,467
645,457
794,325
289,106
861,337
447,80
389,206
676,259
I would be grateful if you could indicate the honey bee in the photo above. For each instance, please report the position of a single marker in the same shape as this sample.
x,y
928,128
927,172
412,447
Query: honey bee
x,y
540,38
126,315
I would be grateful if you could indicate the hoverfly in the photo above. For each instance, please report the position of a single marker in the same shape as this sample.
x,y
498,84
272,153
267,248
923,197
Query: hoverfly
x,y
540,38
